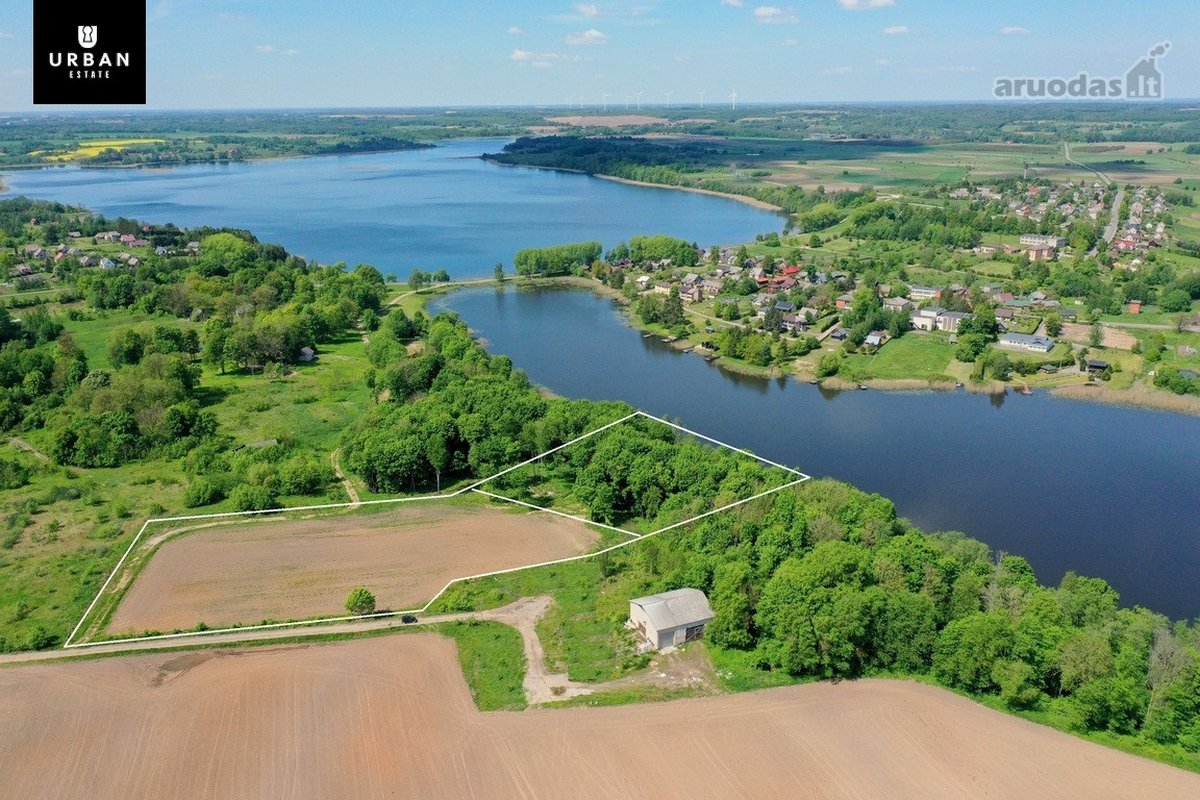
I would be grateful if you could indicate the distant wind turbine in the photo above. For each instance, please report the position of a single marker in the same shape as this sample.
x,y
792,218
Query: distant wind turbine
x,y
733,100
627,101
604,99
701,93
639,98
669,99
570,101
582,98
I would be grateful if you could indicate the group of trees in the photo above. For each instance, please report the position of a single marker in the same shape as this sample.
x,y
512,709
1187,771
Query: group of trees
x,y
642,249
563,259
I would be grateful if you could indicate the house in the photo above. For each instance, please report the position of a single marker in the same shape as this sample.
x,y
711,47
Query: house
x,y
785,307
1042,240
667,620
307,354
133,261
107,236
691,293
897,304
107,263
840,335
1134,307
949,320
193,247
711,287
691,279
1095,366
919,293
1042,252
925,319
1005,314
643,283
128,238
876,338
793,323
844,302
1022,341
160,251
662,287
73,234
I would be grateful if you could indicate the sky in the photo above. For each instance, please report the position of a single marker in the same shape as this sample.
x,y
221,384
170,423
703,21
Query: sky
x,y
395,53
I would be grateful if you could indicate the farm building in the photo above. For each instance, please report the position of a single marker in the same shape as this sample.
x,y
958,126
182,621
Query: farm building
x,y
672,618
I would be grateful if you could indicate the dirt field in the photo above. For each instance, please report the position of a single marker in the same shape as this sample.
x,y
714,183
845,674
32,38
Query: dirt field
x,y
245,573
1114,338
391,717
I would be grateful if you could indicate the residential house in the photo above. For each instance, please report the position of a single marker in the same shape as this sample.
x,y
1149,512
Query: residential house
x,y
643,283
1042,252
919,293
662,287
844,302
876,339
1095,366
897,304
1042,240
840,335
1023,341
949,320
1134,307
925,319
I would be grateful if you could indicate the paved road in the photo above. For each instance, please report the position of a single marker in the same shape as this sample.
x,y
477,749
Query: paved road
x,y
1114,220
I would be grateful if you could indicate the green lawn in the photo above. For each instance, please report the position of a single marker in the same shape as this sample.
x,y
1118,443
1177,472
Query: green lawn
x,y
917,356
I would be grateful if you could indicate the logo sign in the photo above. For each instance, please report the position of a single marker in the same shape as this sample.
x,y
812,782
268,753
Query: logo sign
x,y
1142,81
74,64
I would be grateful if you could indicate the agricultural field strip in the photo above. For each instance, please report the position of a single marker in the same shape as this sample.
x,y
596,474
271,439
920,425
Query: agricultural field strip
x,y
474,487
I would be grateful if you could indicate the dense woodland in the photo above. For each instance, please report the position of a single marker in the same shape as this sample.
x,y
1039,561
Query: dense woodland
x,y
823,581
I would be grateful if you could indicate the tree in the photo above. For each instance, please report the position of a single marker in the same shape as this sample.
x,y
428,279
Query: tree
x,y
732,611
498,272
1054,323
360,602
417,279
1096,335
967,650
1175,300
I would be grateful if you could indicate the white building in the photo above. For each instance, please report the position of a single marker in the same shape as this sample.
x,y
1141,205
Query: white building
x,y
672,618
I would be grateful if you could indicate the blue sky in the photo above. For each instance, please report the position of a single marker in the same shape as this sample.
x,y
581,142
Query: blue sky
x,y
302,53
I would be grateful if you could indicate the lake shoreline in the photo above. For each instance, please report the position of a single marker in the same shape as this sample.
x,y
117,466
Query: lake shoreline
x,y
741,198
1134,397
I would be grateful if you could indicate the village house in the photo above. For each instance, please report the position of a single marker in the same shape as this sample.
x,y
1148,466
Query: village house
x,y
897,304
919,293
949,320
793,323
643,283
876,339
1024,341
1042,240
1042,252
1095,366
844,302
107,236
925,319
667,620
662,287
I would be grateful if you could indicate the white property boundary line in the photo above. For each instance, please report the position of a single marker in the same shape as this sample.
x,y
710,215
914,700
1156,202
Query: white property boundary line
x,y
474,487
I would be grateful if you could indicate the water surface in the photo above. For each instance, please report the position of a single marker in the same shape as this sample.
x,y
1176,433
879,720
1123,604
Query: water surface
x,y
1102,490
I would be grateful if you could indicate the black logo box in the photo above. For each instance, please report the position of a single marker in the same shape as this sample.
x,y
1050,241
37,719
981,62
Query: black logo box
x,y
118,28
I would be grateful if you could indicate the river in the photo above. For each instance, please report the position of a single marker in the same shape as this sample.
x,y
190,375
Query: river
x,y
1102,490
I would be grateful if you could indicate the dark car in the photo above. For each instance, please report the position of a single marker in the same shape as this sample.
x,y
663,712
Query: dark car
x,y
408,619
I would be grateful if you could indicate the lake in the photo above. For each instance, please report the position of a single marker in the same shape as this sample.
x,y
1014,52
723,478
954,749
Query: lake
x,y
435,208
1102,490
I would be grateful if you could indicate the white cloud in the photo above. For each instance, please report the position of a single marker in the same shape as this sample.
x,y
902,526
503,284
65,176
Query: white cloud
x,y
588,37
774,15
5,35
588,9
163,9
790,42
1011,30
540,60
273,50
229,16
514,30
734,3
19,73
837,70
859,5
895,30
883,62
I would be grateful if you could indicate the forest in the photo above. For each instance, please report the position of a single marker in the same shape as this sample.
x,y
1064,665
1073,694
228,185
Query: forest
x,y
821,581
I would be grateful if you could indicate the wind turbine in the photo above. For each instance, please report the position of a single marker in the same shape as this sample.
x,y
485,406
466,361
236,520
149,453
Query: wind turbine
x,y
570,101
639,98
733,100
627,102
582,98
604,99
701,93
669,99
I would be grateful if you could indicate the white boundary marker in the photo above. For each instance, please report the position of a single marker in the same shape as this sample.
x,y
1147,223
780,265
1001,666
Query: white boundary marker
x,y
474,487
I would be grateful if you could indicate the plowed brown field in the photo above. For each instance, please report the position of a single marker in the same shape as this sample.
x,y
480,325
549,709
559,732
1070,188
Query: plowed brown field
x,y
391,717
285,569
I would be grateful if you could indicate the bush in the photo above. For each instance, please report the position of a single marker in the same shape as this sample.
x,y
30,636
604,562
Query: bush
x,y
360,601
203,492
13,474
252,498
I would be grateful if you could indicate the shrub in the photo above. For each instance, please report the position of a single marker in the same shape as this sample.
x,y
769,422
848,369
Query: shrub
x,y
203,492
252,498
360,601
